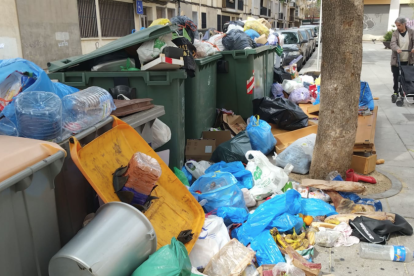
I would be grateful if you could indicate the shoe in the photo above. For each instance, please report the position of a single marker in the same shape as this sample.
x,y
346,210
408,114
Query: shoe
x,y
352,176
394,97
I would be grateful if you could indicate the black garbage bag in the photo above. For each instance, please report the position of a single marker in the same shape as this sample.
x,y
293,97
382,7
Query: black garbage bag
x,y
279,75
226,25
233,150
183,22
379,231
237,40
189,53
281,112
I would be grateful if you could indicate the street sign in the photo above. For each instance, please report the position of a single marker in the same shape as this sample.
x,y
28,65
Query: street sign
x,y
140,8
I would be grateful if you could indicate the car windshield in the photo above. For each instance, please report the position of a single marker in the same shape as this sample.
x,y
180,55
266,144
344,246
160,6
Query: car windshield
x,y
290,38
304,34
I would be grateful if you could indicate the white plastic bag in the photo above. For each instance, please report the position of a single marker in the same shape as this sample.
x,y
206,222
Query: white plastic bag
x,y
197,169
150,50
308,79
213,237
248,198
234,27
299,154
216,40
268,179
326,237
161,134
290,85
204,49
287,268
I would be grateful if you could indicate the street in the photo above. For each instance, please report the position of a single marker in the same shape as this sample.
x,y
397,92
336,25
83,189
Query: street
x,y
394,142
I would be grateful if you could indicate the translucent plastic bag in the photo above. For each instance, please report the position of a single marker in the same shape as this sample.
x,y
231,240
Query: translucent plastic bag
x,y
161,134
143,171
248,198
13,85
266,249
282,269
317,207
231,260
243,176
213,237
217,41
232,215
197,169
86,108
181,176
8,128
290,85
216,190
286,222
299,154
257,26
300,95
268,179
277,90
327,237
150,50
261,136
204,49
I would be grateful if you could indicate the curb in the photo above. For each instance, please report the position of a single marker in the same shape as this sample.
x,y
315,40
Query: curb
x,y
395,188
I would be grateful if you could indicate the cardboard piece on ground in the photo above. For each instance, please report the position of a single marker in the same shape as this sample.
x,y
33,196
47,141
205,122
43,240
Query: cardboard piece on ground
x,y
199,149
366,129
219,136
235,123
314,109
305,107
264,268
285,139
364,165
276,131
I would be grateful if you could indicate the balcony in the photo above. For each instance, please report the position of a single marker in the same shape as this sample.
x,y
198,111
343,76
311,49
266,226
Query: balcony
x,y
233,6
265,12
240,5
281,16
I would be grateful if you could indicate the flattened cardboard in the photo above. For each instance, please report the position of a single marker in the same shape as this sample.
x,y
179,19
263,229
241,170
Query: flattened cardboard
x,y
277,131
364,165
314,109
219,136
201,149
366,129
235,123
305,107
285,139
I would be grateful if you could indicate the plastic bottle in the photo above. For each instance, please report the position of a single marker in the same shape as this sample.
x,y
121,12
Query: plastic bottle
x,y
386,252
85,108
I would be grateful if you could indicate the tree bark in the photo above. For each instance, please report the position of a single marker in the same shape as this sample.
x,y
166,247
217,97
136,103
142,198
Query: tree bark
x,y
340,86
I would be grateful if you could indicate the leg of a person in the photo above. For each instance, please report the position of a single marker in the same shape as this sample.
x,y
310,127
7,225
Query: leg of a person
x,y
396,74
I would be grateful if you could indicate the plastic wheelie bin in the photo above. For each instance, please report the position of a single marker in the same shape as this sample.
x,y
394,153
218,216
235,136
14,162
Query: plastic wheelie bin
x,y
166,88
200,97
249,77
29,234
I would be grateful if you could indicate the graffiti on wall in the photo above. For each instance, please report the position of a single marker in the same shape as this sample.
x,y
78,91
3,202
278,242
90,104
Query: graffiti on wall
x,y
370,21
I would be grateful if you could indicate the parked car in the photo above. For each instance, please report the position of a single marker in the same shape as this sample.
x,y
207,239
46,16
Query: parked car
x,y
294,38
290,53
311,37
305,36
314,31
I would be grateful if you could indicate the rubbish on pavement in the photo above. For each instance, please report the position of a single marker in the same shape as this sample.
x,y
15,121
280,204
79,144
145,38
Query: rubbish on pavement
x,y
380,161
216,190
171,259
213,237
286,139
232,215
290,85
233,150
237,40
365,201
376,231
362,164
181,175
281,112
299,95
268,179
340,186
323,224
231,260
150,50
277,90
396,253
327,237
85,108
265,270
365,97
352,176
267,251
374,215
287,268
319,195
235,123
345,239
299,154
286,222
297,242
310,269
260,134
250,271
15,83
142,173
243,176
219,136
248,198
347,206
199,149
100,246
161,134
197,169
8,128
310,235
39,115
307,254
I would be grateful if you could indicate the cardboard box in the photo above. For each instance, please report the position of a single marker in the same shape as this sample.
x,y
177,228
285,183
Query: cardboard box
x,y
199,149
235,123
314,109
285,139
219,136
364,165
264,268
365,136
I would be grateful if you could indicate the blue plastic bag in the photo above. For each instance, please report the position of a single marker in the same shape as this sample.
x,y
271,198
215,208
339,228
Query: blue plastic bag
x,y
252,33
218,189
243,176
266,249
267,212
232,215
286,222
260,134
365,96
318,98
42,83
317,207
277,90
188,175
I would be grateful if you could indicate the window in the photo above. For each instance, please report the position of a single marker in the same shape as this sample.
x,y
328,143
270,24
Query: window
x,y
304,35
87,18
171,13
291,38
160,12
203,20
195,18
117,18
219,25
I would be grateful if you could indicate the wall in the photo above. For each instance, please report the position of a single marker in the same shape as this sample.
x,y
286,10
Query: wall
x,y
375,21
10,44
406,11
49,30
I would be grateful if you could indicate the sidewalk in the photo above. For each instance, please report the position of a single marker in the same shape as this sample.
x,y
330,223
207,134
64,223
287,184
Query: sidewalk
x,y
394,141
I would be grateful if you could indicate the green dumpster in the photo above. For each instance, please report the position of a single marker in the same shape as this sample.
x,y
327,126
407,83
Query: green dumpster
x,y
200,97
164,87
250,76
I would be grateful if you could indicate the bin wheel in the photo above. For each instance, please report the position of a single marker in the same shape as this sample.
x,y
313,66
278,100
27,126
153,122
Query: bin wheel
x,y
400,102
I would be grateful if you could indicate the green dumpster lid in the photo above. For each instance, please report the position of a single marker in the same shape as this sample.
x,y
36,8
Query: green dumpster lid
x,y
119,44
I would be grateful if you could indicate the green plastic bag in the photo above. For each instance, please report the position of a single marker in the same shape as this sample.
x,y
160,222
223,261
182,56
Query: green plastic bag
x,y
169,260
181,175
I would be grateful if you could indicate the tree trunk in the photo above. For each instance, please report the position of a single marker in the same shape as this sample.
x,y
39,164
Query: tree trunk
x,y
340,86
